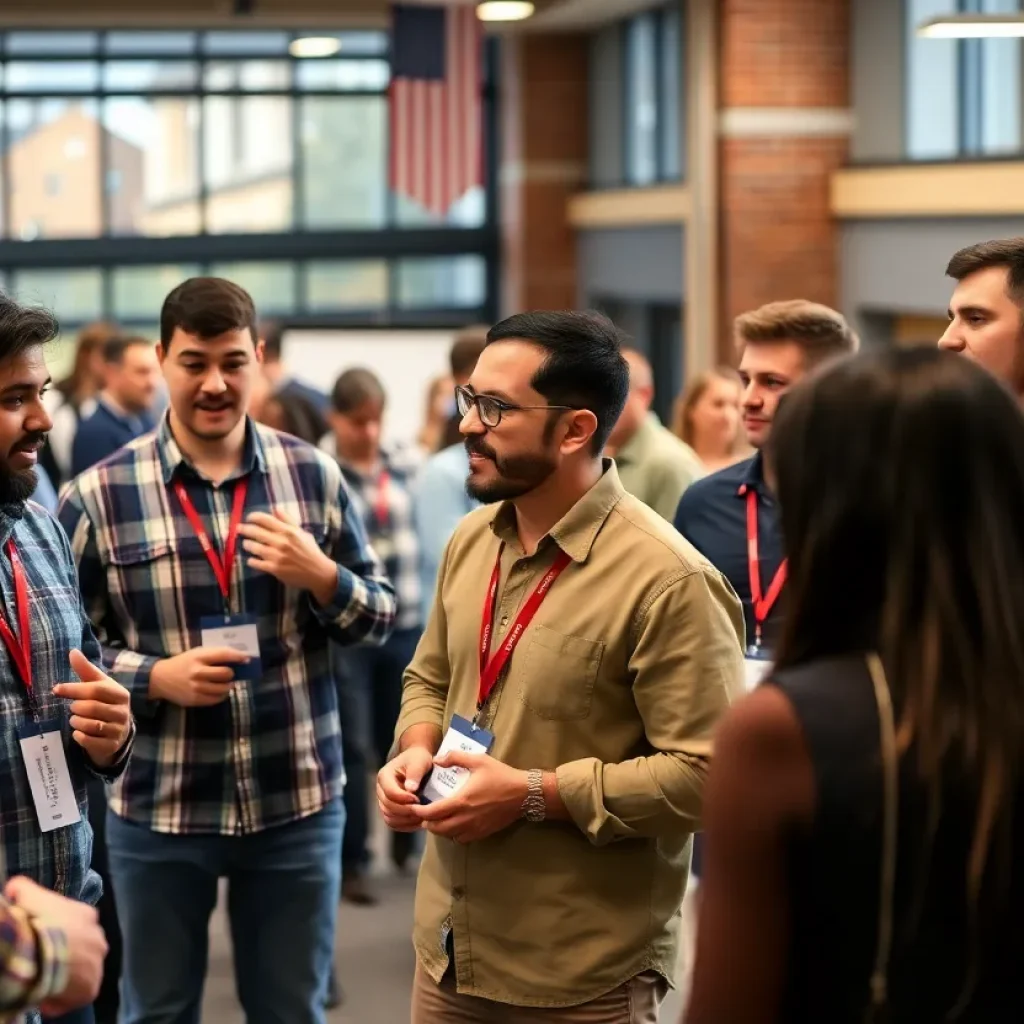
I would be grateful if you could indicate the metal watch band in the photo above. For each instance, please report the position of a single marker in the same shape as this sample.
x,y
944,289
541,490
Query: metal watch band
x,y
534,807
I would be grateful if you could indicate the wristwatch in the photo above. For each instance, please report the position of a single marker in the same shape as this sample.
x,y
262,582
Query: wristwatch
x,y
534,806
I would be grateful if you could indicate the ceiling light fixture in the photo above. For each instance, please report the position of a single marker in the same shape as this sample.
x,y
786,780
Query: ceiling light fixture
x,y
973,26
504,10
314,46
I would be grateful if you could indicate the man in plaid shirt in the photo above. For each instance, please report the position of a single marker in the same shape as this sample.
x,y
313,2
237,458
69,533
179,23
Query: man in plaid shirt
x,y
237,769
370,679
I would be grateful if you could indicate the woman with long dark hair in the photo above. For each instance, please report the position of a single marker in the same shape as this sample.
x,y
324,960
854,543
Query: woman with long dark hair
x,y
863,841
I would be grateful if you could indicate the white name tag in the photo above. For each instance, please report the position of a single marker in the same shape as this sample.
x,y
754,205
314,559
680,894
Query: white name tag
x,y
238,632
49,779
446,782
754,671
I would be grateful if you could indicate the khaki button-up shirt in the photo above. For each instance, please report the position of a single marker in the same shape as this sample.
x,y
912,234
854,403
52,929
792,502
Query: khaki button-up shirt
x,y
617,686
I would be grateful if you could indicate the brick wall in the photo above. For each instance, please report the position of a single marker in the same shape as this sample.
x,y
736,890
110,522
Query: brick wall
x,y
544,150
778,239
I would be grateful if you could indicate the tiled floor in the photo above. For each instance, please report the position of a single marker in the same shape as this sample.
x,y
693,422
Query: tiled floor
x,y
374,961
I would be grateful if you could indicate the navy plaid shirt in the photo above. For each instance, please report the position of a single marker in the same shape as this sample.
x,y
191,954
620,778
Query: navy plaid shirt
x,y
271,753
59,859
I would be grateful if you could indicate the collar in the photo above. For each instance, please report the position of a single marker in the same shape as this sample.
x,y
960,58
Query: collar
x,y
577,530
753,477
172,458
636,447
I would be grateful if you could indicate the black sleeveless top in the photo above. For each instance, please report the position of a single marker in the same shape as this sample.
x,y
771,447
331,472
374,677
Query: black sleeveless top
x,y
834,869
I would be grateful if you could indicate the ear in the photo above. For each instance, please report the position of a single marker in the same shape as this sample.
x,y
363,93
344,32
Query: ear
x,y
161,352
261,350
581,426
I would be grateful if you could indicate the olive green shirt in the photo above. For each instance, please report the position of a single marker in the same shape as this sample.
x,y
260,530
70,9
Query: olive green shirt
x,y
656,467
617,685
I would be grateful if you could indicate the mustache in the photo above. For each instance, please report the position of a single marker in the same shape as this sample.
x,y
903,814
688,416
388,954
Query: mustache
x,y
478,446
35,439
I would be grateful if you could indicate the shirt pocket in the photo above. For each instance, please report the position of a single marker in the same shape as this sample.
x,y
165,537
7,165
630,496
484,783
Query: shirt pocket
x,y
140,574
559,673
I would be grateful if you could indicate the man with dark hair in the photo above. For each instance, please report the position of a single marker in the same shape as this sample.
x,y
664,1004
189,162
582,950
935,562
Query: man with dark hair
x,y
370,678
986,323
462,359
276,372
124,408
54,734
220,629
731,516
557,717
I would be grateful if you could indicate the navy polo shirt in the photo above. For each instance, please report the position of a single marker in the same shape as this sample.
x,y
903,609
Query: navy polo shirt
x,y
712,516
103,433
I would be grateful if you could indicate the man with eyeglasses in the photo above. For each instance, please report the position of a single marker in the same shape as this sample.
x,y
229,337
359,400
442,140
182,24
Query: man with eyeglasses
x,y
557,716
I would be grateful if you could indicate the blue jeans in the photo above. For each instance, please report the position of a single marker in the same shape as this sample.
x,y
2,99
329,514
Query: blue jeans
x,y
369,682
283,890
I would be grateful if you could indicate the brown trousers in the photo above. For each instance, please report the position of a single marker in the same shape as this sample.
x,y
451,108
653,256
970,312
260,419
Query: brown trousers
x,y
636,1002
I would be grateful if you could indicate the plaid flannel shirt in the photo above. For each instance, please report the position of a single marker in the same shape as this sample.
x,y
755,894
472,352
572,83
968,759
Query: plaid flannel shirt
x,y
271,753
392,534
33,963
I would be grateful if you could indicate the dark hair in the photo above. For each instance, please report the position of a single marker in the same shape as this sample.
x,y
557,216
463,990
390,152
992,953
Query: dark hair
x,y
299,416
466,349
354,387
272,334
89,339
584,367
900,477
1000,252
207,307
22,327
115,348
819,330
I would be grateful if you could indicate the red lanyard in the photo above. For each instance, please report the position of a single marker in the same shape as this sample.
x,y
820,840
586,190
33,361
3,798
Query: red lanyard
x,y
381,508
763,604
221,566
492,667
19,647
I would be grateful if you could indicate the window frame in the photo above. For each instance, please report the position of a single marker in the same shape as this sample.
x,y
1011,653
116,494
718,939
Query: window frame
x,y
297,243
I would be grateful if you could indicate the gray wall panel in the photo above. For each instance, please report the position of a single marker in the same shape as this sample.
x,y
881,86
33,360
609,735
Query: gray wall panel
x,y
877,77
640,264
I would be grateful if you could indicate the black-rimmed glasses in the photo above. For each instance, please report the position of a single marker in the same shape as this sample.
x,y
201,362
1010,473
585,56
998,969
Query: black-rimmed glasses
x,y
491,409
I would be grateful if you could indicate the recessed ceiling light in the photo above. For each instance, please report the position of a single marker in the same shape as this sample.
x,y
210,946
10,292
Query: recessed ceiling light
x,y
973,26
504,10
315,46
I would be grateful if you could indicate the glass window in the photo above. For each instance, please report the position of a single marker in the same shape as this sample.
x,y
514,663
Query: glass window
x,y
933,67
339,285
671,115
245,42
53,162
271,284
354,44
641,101
247,158
150,42
139,292
441,282
76,295
342,75
42,43
149,75
248,75
1000,87
53,77
344,171
153,152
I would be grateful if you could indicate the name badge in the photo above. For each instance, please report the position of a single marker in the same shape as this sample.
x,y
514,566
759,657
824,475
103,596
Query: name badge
x,y
49,779
462,735
240,634
755,667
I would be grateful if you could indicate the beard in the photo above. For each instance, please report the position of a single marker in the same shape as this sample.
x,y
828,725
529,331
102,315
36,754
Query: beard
x,y
17,486
517,474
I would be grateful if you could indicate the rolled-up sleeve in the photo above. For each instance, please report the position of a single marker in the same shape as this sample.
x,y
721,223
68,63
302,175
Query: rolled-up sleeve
x,y
686,666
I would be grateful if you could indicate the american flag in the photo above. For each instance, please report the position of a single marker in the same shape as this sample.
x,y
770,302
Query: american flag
x,y
436,106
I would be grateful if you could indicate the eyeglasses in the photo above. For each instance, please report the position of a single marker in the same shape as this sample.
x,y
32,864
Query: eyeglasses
x,y
491,409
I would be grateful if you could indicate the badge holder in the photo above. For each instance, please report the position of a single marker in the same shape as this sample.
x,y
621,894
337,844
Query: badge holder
x,y
238,632
49,779
441,783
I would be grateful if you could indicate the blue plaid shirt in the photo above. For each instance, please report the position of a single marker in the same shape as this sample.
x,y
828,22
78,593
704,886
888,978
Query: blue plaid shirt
x,y
271,753
59,859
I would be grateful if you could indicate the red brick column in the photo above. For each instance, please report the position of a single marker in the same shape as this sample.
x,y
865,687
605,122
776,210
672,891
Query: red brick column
x,y
784,123
543,162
